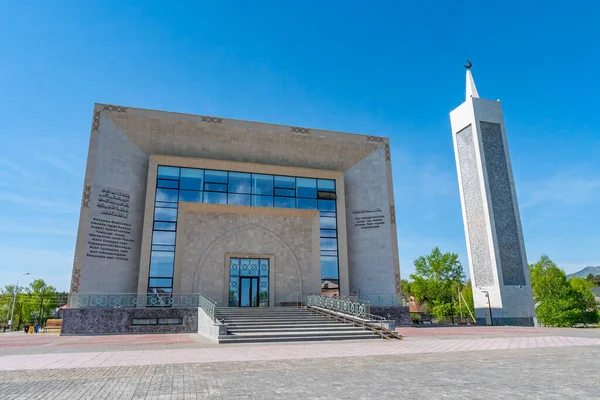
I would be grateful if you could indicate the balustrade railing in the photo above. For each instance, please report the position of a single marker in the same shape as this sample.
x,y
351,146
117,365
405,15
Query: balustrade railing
x,y
208,306
380,299
117,300
358,308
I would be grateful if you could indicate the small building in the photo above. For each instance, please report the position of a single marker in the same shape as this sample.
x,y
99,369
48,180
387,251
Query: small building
x,y
248,214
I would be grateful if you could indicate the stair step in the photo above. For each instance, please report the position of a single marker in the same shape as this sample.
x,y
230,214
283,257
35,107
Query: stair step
x,y
272,320
301,329
279,322
316,338
261,325
301,333
291,328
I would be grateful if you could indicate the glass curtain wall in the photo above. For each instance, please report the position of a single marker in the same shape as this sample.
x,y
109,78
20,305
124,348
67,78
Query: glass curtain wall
x,y
175,184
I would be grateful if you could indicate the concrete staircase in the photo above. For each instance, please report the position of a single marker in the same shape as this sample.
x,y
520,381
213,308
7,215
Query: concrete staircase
x,y
284,324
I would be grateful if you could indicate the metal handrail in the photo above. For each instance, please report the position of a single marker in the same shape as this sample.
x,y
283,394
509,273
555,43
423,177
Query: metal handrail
x,y
374,325
209,306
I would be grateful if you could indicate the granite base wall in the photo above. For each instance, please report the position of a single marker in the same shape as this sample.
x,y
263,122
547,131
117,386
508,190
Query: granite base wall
x,y
519,321
399,314
111,321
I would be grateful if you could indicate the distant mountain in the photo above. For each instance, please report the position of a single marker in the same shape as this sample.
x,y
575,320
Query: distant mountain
x,y
585,272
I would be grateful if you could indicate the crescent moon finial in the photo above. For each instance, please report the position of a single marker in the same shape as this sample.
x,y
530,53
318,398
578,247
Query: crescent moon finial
x,y
468,66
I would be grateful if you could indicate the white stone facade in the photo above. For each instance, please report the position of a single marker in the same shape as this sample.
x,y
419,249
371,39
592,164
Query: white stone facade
x,y
127,145
497,259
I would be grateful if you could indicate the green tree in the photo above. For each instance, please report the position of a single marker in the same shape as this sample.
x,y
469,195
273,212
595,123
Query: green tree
x,y
406,292
561,302
467,304
36,303
6,299
595,279
436,281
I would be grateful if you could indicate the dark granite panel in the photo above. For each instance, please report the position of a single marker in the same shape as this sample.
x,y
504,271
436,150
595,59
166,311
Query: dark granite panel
x,y
520,321
475,212
507,233
400,314
100,321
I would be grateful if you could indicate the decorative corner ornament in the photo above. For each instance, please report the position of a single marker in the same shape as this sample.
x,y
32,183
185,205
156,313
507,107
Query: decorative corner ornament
x,y
392,214
297,129
87,193
377,139
213,120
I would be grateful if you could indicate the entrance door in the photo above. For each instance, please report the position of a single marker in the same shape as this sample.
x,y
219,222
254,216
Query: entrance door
x,y
248,282
249,292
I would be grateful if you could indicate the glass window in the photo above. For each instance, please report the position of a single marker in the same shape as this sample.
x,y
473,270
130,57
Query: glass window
x,y
215,187
285,202
165,214
161,263
192,197
160,282
264,267
215,198
328,233
168,172
327,223
238,199
239,182
262,201
332,253
329,267
234,266
307,204
326,195
262,184
330,214
327,205
306,187
327,185
169,195
191,178
168,205
170,321
215,176
285,192
245,267
164,226
288,182
163,237
163,183
164,299
158,247
328,244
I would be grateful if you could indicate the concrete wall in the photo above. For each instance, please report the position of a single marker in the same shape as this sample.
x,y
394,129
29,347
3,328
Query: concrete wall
x,y
208,328
112,211
371,227
208,234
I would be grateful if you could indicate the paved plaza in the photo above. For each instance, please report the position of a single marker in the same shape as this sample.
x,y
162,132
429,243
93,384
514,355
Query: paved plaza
x,y
432,362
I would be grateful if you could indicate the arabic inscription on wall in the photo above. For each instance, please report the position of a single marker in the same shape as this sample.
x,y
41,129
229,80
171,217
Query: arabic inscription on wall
x,y
368,218
110,233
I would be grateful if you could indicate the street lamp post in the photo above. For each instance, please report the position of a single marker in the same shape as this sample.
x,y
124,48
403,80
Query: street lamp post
x,y
12,313
487,295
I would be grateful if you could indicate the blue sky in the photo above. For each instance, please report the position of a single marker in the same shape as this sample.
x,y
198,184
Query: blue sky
x,y
387,69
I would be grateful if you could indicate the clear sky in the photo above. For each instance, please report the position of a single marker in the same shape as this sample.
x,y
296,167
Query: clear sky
x,y
379,68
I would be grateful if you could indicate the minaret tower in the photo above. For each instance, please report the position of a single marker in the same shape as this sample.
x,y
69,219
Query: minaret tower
x,y
497,259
